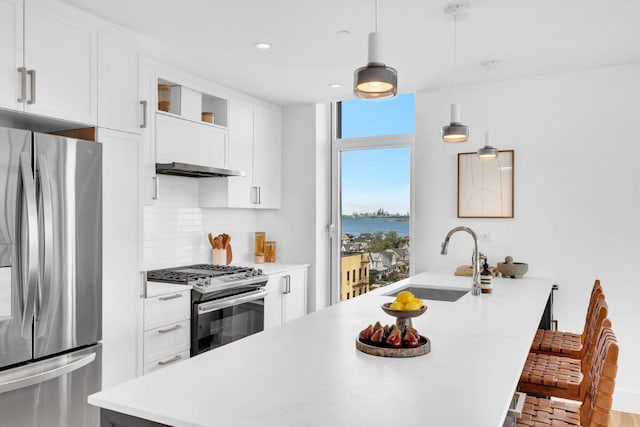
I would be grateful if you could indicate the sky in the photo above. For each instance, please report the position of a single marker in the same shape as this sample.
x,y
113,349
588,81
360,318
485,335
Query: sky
x,y
378,178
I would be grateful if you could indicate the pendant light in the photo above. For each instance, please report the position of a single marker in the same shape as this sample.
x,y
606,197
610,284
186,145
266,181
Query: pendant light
x,y
455,131
375,80
488,152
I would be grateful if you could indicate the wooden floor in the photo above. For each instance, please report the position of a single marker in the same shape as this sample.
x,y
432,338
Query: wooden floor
x,y
623,419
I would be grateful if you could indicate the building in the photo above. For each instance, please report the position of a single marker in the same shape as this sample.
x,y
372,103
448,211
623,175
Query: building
x,y
355,275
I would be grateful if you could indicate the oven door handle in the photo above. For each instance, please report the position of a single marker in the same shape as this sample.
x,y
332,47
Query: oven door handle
x,y
231,301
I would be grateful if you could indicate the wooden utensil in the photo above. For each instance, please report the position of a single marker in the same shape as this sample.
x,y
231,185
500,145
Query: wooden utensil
x,y
217,243
229,252
211,240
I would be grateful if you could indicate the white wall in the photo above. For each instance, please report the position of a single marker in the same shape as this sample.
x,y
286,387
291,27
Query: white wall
x,y
577,197
175,228
299,227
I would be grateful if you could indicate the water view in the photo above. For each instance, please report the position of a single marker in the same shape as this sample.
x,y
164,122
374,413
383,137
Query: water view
x,y
358,225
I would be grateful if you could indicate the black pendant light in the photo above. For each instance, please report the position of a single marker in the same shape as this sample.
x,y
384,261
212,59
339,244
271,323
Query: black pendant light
x,y
455,131
375,80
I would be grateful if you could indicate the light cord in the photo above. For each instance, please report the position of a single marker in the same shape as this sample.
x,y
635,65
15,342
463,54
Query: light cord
x,y
376,14
455,55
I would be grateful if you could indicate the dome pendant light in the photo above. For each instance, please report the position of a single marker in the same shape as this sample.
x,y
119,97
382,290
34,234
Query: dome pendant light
x,y
455,131
375,80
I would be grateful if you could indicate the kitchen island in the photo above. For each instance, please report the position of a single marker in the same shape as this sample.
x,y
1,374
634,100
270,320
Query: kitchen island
x,y
309,373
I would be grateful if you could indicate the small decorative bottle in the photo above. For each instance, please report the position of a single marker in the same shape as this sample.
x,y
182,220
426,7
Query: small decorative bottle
x,y
486,279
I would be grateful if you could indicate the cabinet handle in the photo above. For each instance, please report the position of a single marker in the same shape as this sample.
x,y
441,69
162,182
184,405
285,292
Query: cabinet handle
x,y
259,195
255,195
23,84
554,324
144,114
32,75
171,329
287,285
156,192
168,361
170,297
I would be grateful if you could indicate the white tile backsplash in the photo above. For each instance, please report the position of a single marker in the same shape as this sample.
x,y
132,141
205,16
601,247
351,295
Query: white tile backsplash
x,y
175,228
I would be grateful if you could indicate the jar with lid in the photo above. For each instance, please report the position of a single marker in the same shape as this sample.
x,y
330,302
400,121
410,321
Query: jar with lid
x,y
259,246
164,97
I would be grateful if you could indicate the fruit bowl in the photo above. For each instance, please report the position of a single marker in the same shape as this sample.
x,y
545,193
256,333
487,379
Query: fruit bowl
x,y
403,316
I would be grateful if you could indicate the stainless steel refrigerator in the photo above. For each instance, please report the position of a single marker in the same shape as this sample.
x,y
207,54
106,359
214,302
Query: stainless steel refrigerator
x,y
50,279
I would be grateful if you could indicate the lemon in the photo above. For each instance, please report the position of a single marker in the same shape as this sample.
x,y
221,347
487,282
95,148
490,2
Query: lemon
x,y
396,306
404,297
418,301
412,305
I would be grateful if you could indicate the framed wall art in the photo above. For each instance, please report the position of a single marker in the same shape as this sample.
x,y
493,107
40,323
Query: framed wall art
x,y
485,187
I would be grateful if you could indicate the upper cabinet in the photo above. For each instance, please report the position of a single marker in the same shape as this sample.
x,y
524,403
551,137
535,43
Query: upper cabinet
x,y
49,64
255,149
119,107
11,58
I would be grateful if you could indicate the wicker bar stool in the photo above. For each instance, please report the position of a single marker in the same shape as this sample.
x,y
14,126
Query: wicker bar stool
x,y
558,376
595,410
568,344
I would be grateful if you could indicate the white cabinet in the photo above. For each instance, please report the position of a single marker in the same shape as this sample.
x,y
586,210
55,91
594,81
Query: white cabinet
x,y
48,60
121,237
286,297
254,148
147,93
11,58
185,141
118,103
267,157
166,331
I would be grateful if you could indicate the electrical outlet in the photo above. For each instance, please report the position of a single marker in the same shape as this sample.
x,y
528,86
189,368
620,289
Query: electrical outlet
x,y
485,237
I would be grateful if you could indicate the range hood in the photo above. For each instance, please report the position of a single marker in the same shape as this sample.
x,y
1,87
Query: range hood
x,y
194,171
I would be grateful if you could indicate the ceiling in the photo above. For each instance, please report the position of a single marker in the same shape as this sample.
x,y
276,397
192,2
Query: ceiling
x,y
214,39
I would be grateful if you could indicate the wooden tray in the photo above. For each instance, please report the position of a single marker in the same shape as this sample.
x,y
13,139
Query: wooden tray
x,y
375,350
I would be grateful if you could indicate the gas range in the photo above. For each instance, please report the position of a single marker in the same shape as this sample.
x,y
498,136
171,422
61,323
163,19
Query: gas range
x,y
208,278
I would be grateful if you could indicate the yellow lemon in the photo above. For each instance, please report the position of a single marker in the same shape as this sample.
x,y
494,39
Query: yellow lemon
x,y
396,306
418,301
412,305
404,297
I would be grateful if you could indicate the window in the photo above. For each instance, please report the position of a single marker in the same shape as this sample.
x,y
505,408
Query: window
x,y
372,190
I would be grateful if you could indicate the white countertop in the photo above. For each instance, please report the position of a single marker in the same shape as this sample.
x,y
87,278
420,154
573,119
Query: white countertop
x,y
309,373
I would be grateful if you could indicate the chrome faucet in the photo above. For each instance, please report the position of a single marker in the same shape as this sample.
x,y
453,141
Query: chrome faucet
x,y
475,288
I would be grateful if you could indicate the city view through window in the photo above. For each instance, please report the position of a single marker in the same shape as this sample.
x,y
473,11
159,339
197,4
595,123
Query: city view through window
x,y
375,196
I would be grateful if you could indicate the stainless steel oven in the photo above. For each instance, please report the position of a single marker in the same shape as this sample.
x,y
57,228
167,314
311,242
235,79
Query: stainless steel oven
x,y
227,302
219,321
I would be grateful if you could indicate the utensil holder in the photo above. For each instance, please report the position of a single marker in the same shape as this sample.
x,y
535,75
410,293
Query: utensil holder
x,y
219,256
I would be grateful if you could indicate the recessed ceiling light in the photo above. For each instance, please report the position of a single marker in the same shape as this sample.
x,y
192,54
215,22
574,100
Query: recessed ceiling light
x,y
262,45
334,85
343,33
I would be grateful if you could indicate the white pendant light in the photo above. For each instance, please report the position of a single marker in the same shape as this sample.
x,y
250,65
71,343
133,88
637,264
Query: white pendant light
x,y
488,152
455,131
375,80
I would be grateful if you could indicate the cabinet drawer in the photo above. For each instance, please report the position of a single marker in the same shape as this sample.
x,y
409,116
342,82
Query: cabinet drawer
x,y
166,309
165,361
166,340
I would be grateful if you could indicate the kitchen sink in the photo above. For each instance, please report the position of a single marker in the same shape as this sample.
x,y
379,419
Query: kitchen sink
x,y
431,292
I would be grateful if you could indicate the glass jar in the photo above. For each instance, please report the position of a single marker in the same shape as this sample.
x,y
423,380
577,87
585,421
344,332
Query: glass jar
x,y
259,239
164,97
269,251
